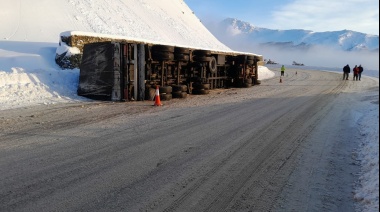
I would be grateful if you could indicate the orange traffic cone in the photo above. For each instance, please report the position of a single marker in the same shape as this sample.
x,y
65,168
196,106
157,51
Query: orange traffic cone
x,y
157,101
280,79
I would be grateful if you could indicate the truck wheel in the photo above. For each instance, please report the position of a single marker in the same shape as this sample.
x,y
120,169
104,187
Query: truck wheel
x,y
199,86
247,85
179,88
250,57
181,57
166,89
166,96
249,80
179,94
241,58
162,56
162,48
180,50
200,91
212,65
202,58
184,88
200,53
150,93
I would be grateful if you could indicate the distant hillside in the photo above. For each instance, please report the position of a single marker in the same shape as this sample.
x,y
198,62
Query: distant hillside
x,y
230,30
320,49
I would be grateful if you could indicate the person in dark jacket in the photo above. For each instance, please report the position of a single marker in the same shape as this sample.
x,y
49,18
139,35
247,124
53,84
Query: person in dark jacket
x,y
355,70
360,71
346,71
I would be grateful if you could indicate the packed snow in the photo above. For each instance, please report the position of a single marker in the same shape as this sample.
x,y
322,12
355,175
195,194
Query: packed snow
x,y
29,75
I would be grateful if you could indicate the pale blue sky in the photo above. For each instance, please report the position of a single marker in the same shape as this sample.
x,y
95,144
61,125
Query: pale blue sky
x,y
315,15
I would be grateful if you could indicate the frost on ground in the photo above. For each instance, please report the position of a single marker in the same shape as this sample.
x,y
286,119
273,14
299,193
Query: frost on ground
x,y
368,154
293,142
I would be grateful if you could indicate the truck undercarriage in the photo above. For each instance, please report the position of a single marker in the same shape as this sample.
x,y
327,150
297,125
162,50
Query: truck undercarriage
x,y
132,71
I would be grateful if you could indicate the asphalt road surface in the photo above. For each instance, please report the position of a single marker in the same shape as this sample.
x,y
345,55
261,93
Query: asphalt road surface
x,y
273,147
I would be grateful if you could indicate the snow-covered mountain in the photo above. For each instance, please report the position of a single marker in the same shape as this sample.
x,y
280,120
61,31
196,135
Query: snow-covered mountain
x,y
346,40
321,49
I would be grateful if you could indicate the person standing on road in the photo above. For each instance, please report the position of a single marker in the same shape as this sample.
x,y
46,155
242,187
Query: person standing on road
x,y
282,70
355,70
360,71
346,71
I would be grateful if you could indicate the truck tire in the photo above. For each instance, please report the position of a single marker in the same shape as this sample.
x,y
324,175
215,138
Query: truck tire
x,y
162,56
249,57
179,88
199,86
179,94
150,93
258,82
180,50
163,48
201,53
247,85
212,65
200,91
166,96
181,57
249,80
166,89
202,58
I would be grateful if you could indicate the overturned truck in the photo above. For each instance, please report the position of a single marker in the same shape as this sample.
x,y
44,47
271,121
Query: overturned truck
x,y
125,71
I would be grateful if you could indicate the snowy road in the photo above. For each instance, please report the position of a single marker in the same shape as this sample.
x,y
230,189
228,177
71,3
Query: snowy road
x,y
274,147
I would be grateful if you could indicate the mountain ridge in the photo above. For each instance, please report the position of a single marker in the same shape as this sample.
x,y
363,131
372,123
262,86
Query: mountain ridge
x,y
346,40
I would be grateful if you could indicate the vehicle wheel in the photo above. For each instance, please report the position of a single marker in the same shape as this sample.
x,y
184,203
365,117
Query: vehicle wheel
x,y
247,85
184,88
180,50
202,58
179,94
179,88
162,56
181,57
162,48
199,86
202,53
250,57
183,95
150,93
212,65
254,81
249,80
200,91
166,89
166,96
239,83
176,88
241,58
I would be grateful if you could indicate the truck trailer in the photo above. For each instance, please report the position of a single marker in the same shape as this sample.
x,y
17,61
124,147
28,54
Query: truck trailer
x,y
127,71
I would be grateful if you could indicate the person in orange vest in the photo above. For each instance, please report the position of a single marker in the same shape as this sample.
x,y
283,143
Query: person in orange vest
x,y
282,70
